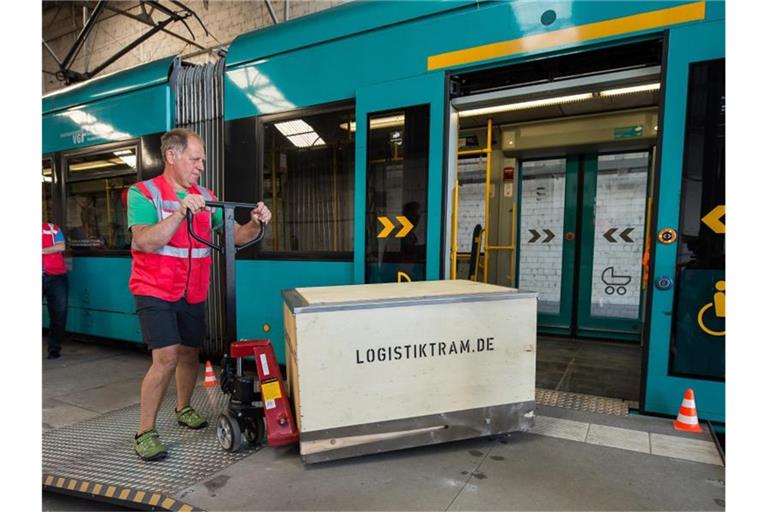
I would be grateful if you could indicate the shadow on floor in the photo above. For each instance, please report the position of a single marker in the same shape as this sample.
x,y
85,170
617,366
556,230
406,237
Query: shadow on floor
x,y
602,368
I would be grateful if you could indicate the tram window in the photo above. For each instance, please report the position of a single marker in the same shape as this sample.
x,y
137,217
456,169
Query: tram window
x,y
47,190
698,346
309,165
95,213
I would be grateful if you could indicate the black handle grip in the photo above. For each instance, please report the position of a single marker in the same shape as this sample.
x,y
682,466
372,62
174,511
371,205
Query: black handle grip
x,y
224,205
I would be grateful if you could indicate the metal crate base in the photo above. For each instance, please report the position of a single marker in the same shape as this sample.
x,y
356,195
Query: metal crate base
x,y
95,458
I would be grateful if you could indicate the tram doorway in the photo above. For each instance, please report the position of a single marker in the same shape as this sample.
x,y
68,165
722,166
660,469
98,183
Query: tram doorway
x,y
569,222
552,192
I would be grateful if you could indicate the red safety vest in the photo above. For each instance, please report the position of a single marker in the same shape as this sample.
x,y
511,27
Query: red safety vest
x,y
182,268
53,264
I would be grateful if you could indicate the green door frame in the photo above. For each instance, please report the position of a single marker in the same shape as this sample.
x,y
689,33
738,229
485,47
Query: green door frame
x,y
429,89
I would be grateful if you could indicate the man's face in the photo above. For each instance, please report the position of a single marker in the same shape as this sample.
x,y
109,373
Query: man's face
x,y
188,165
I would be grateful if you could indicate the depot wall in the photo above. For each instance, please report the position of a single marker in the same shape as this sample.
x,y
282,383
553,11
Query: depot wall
x,y
223,19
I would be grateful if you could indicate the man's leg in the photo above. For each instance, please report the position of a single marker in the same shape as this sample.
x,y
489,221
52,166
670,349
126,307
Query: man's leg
x,y
164,362
186,375
56,295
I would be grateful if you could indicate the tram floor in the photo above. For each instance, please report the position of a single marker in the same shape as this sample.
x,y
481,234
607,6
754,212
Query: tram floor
x,y
600,368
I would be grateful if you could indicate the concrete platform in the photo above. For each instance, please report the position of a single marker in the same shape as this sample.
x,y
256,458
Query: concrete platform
x,y
570,460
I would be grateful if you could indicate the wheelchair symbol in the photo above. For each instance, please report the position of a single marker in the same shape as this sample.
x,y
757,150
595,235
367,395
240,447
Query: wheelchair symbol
x,y
718,302
615,284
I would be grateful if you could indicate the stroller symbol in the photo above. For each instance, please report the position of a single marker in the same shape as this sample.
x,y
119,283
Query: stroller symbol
x,y
614,283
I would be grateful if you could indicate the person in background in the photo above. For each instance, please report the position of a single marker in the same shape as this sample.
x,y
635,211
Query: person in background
x,y
54,286
170,276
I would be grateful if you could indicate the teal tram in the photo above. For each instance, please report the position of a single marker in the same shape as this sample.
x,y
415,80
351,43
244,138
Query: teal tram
x,y
573,148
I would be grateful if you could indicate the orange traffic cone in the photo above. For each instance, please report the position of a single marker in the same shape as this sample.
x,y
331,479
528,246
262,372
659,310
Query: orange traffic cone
x,y
210,377
687,420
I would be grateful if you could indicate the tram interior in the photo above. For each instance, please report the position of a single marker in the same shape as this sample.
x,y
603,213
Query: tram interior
x,y
563,193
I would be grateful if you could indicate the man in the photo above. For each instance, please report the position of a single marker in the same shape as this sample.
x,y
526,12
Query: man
x,y
54,286
170,275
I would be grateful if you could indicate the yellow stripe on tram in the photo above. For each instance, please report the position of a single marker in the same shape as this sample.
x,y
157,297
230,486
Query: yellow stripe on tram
x,y
635,23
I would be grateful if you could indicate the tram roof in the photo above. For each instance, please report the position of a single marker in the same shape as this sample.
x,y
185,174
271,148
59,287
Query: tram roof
x,y
341,21
139,77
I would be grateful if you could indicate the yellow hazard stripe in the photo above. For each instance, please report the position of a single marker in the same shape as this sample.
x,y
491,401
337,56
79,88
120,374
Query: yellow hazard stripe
x,y
579,34
116,492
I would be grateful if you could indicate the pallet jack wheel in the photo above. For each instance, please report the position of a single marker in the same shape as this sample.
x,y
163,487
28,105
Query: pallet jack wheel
x,y
255,430
229,434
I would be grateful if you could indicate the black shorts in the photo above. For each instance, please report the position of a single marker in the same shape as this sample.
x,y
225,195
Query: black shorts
x,y
166,323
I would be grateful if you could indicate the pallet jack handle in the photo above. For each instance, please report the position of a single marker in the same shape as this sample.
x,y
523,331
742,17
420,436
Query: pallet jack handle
x,y
227,251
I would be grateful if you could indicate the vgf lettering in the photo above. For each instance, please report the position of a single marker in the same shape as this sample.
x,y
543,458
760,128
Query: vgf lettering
x,y
422,350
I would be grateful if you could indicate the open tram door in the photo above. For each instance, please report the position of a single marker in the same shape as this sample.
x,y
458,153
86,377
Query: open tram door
x,y
399,180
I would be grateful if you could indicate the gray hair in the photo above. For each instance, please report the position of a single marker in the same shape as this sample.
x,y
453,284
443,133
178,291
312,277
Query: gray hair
x,y
177,140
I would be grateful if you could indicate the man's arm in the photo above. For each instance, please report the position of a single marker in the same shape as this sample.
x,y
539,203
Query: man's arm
x,y
260,216
57,247
151,237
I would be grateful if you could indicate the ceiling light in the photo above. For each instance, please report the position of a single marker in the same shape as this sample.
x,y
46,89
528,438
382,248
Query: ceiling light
x,y
300,133
379,122
526,105
630,90
96,164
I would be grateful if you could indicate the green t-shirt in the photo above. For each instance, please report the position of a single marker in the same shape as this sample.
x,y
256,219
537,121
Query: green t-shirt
x,y
142,211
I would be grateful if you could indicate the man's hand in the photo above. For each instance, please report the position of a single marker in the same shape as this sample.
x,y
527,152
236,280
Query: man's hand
x,y
261,214
260,217
192,202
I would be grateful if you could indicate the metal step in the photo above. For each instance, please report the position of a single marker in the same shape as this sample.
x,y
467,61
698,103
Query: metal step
x,y
95,459
582,402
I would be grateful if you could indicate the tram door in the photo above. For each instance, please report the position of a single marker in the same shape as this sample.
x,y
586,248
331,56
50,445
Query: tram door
x,y
398,177
581,233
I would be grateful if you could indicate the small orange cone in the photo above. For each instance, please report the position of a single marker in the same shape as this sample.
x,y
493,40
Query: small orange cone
x,y
687,419
210,377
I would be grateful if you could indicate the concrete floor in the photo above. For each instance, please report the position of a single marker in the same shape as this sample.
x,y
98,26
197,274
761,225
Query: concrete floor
x,y
570,461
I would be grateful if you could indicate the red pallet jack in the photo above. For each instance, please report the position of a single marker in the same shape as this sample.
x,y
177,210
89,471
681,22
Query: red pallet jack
x,y
255,412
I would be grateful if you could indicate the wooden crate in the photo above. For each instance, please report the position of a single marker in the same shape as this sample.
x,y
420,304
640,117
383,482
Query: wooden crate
x,y
387,366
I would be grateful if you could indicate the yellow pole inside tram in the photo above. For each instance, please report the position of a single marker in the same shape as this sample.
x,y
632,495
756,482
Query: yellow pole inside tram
x,y
455,228
487,199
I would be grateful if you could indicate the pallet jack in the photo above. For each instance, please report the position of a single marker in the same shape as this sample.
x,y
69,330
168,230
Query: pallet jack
x,y
258,409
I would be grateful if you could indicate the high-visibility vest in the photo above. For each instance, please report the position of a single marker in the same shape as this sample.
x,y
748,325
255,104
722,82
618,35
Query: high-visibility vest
x,y
182,267
53,264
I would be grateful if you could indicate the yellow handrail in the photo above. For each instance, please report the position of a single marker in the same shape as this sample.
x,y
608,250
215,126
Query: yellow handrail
x,y
487,197
455,228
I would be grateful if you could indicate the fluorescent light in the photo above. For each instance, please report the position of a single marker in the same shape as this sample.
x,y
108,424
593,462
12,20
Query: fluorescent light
x,y
47,179
630,90
129,160
300,133
97,164
526,104
379,122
